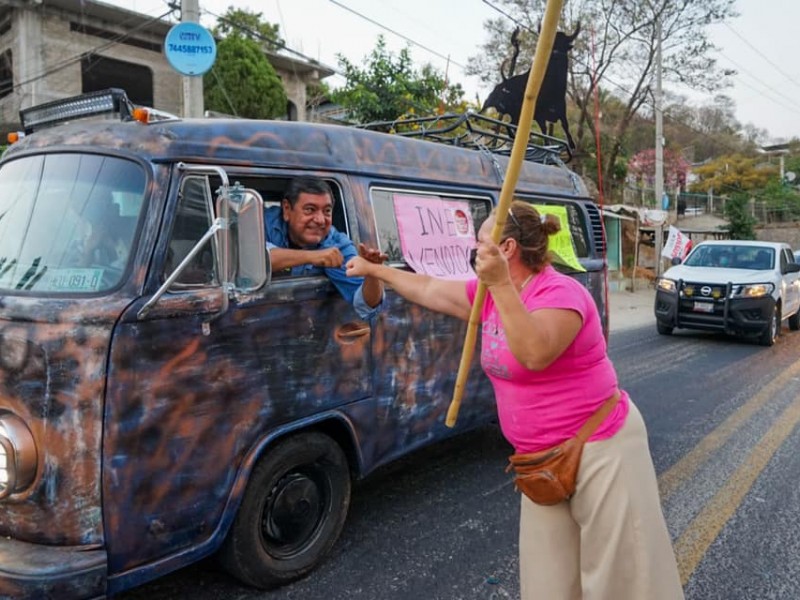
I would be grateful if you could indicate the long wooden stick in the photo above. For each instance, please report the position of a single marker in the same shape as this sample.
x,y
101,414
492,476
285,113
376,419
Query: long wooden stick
x,y
544,46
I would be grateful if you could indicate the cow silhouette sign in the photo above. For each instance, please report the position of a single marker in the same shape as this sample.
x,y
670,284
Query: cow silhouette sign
x,y
551,104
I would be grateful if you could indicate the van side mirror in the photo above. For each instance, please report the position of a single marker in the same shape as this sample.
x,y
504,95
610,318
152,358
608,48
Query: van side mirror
x,y
249,267
676,260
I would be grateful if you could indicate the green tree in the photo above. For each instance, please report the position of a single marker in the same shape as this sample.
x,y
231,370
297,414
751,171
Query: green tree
x,y
620,56
388,87
242,81
250,25
740,223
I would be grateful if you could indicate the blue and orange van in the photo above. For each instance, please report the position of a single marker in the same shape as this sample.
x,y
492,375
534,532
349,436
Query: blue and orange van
x,y
168,399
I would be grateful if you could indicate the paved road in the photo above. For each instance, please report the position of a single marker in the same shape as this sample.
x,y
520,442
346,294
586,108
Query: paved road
x,y
441,525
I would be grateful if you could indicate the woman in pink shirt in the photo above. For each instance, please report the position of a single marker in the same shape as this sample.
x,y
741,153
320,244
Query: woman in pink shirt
x,y
544,351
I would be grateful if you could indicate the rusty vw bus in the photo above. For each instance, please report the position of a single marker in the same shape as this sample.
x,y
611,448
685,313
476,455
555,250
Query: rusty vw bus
x,y
164,399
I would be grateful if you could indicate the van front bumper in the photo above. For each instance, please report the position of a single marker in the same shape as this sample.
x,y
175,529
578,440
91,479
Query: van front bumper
x,y
58,572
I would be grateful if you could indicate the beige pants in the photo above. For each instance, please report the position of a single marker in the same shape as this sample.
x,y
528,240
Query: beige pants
x,y
610,541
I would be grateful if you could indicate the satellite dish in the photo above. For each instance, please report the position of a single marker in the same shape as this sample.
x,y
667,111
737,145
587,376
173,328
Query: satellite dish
x,y
790,176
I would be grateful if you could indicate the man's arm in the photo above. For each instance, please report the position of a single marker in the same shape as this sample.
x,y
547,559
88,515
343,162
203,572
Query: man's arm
x,y
285,258
372,289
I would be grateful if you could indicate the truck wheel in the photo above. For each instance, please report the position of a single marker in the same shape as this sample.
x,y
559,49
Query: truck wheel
x,y
794,321
293,510
663,328
770,334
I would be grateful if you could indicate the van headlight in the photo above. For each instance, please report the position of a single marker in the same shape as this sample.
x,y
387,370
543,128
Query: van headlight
x,y
18,455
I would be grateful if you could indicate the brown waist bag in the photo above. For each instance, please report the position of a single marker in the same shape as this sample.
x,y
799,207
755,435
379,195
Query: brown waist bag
x,y
550,476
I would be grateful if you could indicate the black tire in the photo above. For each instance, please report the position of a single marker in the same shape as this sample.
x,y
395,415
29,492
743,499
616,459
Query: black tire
x,y
770,334
794,321
293,510
663,328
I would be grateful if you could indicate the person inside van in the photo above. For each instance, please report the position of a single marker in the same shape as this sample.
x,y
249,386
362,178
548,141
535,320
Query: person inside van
x,y
105,241
303,241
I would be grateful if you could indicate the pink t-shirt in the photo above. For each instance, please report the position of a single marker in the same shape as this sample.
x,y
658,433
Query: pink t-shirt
x,y
539,409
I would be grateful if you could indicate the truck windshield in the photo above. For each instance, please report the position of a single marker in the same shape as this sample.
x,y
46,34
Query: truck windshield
x,y
67,222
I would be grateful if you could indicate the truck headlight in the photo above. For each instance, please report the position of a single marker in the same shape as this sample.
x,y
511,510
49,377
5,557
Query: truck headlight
x,y
18,455
755,290
666,285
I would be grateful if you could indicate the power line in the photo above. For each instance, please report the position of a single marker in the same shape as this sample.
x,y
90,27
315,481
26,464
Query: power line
x,y
761,54
620,87
275,45
793,107
400,35
113,42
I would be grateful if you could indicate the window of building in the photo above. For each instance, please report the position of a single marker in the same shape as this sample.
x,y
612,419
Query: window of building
x,y
6,74
101,73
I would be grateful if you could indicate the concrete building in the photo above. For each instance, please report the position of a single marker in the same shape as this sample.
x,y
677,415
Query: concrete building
x,y
52,49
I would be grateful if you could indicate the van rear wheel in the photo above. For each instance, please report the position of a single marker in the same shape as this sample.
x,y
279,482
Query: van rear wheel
x,y
293,510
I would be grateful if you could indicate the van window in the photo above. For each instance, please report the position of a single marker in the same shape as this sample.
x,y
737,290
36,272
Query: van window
x,y
67,222
192,220
272,189
383,201
577,226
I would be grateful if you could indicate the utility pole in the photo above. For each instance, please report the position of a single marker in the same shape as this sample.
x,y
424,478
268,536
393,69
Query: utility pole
x,y
659,178
192,85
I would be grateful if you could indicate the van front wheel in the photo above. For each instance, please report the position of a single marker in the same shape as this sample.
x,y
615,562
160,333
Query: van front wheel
x,y
293,510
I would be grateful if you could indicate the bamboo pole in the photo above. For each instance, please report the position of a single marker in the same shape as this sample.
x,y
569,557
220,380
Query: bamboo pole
x,y
544,46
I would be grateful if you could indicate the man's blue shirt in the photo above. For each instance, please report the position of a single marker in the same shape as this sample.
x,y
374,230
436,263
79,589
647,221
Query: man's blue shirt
x,y
349,287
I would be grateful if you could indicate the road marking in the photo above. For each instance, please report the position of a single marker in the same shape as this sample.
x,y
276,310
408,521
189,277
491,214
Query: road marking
x,y
695,540
682,470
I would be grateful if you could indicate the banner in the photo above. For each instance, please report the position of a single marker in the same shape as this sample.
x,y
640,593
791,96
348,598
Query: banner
x,y
436,235
560,245
678,244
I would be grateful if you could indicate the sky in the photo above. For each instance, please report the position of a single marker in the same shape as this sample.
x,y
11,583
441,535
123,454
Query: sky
x,y
761,44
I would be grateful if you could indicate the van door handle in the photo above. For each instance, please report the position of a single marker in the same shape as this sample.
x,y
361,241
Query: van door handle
x,y
353,330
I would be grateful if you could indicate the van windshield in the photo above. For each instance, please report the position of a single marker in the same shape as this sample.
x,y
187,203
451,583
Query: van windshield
x,y
67,222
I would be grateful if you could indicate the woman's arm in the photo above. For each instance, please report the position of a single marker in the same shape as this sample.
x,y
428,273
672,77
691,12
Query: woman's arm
x,y
444,296
535,338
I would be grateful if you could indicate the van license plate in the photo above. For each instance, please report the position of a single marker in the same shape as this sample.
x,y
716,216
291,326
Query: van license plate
x,y
706,307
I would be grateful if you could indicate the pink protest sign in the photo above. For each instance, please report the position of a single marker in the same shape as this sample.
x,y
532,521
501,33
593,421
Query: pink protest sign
x,y
436,235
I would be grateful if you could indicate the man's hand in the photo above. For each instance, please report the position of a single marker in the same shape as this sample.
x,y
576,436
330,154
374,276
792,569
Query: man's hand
x,y
329,257
373,255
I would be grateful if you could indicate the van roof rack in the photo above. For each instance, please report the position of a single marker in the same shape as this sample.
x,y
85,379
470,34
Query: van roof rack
x,y
478,132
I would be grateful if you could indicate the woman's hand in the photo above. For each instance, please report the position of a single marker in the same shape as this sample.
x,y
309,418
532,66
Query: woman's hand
x,y
359,267
491,266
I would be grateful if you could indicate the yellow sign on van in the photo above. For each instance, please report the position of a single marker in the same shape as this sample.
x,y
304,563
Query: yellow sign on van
x,y
560,245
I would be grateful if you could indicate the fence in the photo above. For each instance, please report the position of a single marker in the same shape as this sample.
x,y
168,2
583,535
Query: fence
x,y
687,204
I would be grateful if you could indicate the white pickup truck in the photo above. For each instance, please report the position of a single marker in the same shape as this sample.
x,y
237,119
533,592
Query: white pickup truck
x,y
739,287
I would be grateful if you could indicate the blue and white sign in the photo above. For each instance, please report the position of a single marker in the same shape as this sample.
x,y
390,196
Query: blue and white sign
x,y
190,48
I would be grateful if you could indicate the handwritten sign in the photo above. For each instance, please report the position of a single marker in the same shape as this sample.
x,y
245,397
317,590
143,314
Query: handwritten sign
x,y
560,245
436,235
